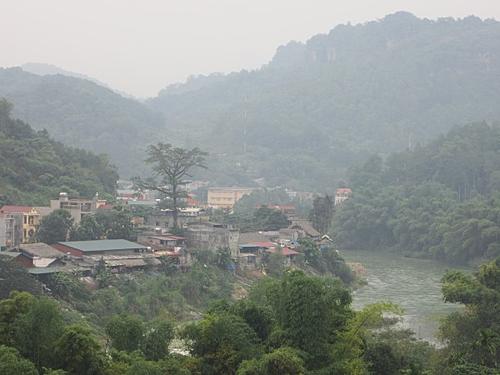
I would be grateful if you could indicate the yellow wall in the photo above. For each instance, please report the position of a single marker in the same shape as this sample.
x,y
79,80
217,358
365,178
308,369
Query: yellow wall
x,y
225,197
31,220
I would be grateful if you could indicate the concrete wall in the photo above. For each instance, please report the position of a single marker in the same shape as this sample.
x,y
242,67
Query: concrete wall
x,y
209,238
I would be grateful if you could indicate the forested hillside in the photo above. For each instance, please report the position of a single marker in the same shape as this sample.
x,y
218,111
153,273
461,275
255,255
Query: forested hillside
x,y
440,201
301,120
34,168
319,106
82,114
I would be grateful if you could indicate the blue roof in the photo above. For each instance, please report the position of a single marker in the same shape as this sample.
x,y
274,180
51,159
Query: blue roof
x,y
103,245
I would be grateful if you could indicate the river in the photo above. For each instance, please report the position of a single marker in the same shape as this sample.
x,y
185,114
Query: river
x,y
413,284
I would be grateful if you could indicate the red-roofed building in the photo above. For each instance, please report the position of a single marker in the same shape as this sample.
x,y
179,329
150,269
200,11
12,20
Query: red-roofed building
x,y
191,201
15,209
288,253
285,251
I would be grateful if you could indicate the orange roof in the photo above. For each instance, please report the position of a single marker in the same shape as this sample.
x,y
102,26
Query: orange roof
x,y
15,209
286,251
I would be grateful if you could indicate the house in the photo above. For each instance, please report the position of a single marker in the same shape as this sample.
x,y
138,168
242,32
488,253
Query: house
x,y
304,228
325,242
213,236
191,212
161,242
286,252
39,255
248,261
250,254
30,223
165,218
77,207
257,248
251,237
100,247
11,230
252,246
127,263
341,195
254,243
226,197
180,257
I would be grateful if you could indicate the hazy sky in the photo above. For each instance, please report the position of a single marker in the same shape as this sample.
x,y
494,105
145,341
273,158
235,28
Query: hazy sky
x,y
141,46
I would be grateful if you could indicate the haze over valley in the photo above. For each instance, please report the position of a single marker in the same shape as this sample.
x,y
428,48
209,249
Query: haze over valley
x,y
330,208
309,114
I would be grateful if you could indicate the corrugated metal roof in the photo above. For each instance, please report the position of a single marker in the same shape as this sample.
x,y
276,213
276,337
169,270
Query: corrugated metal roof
x,y
103,245
45,270
40,250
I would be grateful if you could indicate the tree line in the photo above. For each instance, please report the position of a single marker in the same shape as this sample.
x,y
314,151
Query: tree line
x,y
34,168
59,226
441,200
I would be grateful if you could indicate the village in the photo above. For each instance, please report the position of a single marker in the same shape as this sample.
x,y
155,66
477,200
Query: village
x,y
156,238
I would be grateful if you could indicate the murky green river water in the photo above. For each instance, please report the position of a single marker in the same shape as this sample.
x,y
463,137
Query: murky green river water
x,y
413,284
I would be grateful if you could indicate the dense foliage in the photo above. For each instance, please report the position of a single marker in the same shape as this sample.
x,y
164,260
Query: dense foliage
x,y
258,219
34,168
295,325
104,224
55,227
321,214
473,336
14,277
441,200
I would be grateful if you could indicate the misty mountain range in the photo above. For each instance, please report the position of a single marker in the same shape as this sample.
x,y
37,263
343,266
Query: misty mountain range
x,y
302,119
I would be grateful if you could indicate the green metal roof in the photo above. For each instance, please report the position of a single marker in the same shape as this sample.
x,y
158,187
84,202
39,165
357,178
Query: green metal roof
x,y
102,245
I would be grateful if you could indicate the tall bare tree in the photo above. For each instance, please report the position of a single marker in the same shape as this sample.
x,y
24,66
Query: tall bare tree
x,y
171,165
